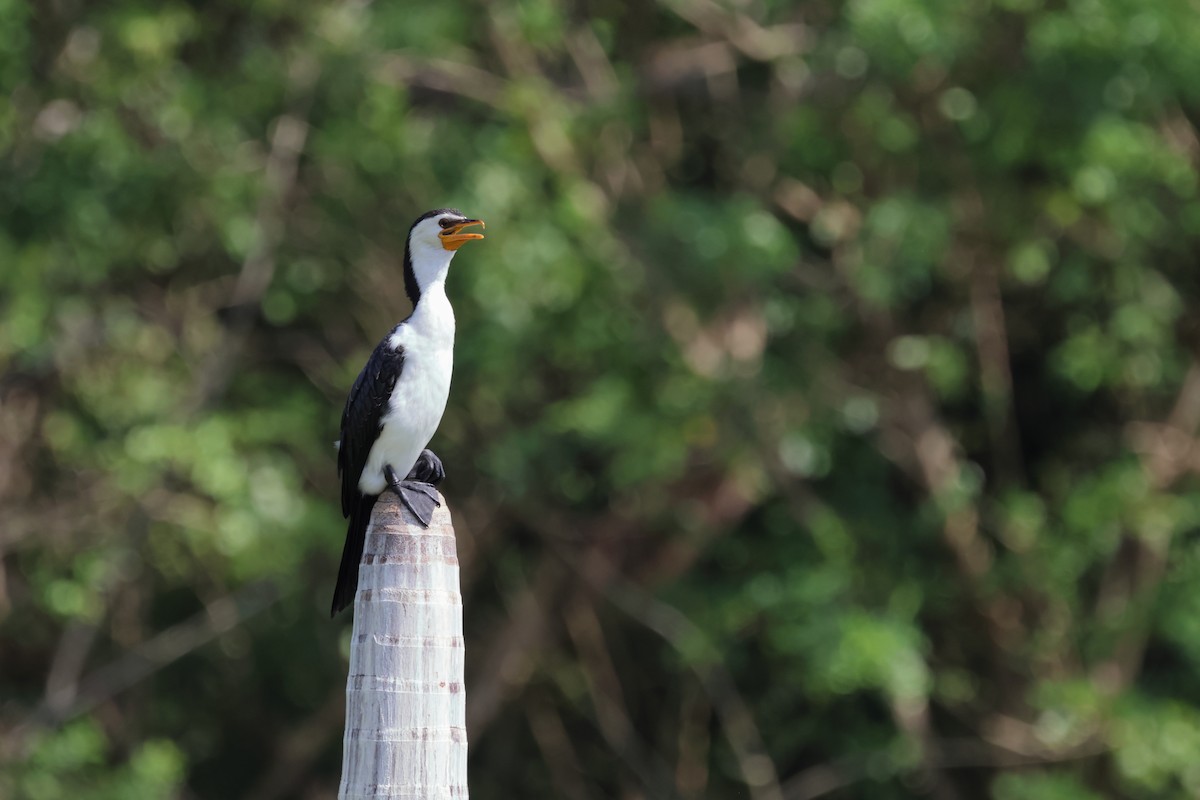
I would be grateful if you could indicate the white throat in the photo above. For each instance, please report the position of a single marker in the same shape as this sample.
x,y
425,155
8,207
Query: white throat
x,y
433,314
430,264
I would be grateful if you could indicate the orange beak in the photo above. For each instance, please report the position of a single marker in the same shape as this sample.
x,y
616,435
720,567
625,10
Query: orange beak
x,y
453,237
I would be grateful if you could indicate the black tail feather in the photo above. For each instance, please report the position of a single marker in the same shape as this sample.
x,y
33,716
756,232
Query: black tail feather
x,y
356,537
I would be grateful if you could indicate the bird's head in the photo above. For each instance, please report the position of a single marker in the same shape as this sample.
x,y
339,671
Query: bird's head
x,y
432,242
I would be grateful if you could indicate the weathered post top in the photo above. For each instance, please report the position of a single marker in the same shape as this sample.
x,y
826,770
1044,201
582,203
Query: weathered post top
x,y
405,705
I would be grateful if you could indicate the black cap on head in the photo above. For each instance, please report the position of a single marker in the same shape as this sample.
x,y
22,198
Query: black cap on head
x,y
436,212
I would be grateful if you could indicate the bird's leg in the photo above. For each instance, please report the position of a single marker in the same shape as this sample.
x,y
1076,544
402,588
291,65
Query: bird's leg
x,y
428,469
418,497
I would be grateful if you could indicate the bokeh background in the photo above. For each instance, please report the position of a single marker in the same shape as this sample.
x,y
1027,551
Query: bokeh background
x,y
824,417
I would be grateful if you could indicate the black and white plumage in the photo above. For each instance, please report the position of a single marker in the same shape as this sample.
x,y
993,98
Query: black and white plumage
x,y
397,400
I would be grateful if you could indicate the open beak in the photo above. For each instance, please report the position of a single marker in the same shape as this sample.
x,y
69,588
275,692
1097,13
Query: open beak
x,y
453,237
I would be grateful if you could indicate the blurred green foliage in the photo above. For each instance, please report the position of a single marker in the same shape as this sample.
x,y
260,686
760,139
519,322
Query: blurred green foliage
x,y
824,412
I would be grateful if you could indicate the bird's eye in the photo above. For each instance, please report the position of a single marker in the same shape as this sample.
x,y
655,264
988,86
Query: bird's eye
x,y
446,223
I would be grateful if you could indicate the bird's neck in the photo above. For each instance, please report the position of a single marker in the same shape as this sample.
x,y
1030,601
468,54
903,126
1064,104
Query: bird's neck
x,y
432,315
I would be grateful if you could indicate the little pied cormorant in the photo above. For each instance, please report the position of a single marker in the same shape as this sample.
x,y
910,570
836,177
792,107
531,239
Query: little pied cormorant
x,y
397,400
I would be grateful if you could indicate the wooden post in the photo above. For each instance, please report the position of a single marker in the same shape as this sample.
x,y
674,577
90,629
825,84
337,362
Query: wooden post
x,y
405,705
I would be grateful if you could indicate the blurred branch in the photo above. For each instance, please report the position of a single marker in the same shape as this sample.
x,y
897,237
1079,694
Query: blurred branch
x,y
749,37
695,743
533,617
289,135
21,411
593,64
287,143
555,743
546,128
676,63
296,752
608,703
62,683
510,653
911,714
995,370
825,779
532,621
76,642
1168,451
741,731
916,439
938,455
30,522
913,720
149,657
21,407
443,75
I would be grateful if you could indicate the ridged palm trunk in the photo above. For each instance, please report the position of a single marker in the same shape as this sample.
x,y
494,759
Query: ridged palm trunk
x,y
405,706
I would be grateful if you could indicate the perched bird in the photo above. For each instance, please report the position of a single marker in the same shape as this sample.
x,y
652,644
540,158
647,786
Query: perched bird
x,y
397,400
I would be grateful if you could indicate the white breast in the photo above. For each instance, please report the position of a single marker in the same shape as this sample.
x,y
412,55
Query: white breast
x,y
419,397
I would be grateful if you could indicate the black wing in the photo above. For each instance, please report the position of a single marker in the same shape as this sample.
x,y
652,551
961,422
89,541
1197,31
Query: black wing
x,y
362,419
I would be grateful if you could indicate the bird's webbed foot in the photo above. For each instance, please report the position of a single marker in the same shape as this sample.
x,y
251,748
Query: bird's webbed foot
x,y
417,496
428,469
